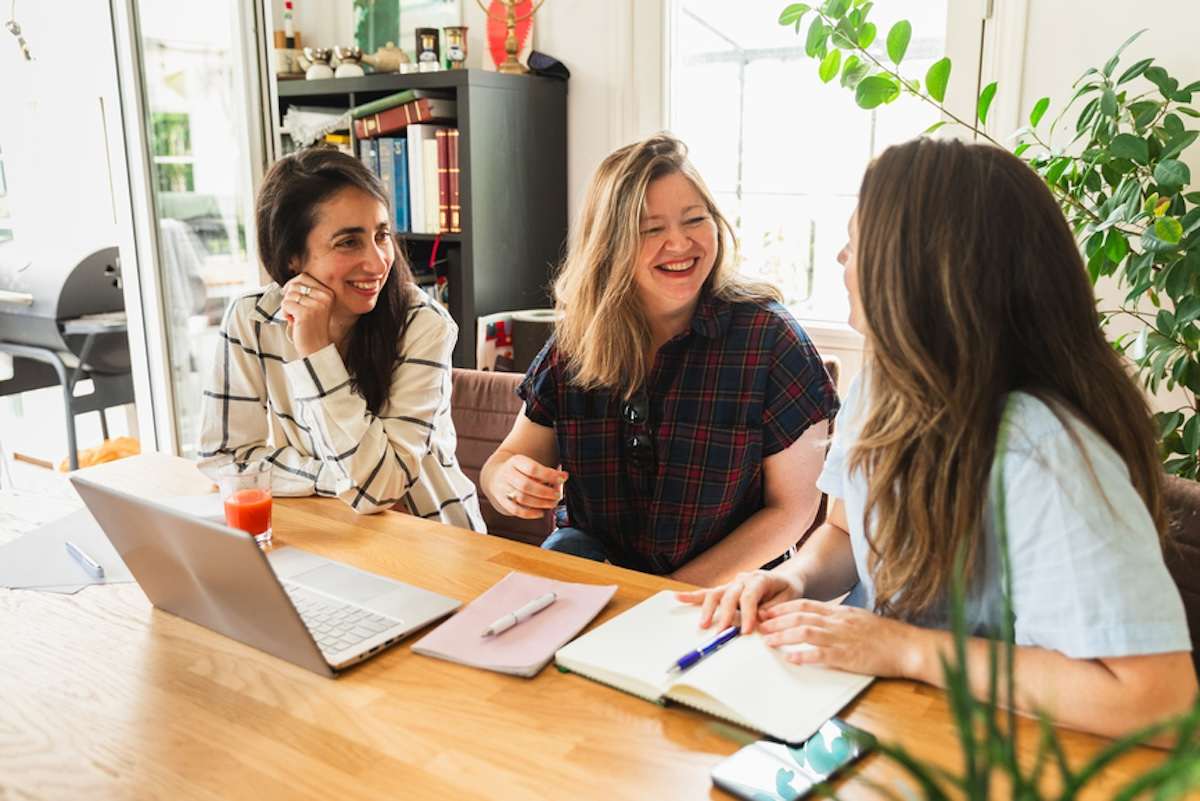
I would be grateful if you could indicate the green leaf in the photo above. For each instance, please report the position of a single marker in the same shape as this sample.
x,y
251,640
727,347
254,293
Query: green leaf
x,y
985,102
814,44
1108,103
1172,173
1165,83
1116,246
875,90
1021,148
933,127
1039,110
1134,71
936,79
1168,422
1057,168
1128,146
1088,114
854,71
1188,310
897,40
1144,112
1191,112
829,66
866,35
1178,144
836,8
1191,435
1168,229
793,14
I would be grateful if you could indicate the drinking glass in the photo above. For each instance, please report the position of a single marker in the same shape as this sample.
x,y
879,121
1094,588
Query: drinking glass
x,y
246,494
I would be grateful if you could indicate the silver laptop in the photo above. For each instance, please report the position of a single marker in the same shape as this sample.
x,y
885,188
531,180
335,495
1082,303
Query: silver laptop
x,y
314,612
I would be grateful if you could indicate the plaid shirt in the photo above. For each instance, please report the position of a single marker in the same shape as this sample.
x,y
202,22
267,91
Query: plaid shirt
x,y
743,383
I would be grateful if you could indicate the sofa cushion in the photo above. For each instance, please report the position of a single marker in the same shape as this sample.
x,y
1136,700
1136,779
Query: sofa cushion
x,y
484,406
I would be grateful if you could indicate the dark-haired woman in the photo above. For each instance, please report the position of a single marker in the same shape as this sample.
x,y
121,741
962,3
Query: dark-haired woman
x,y
338,373
991,411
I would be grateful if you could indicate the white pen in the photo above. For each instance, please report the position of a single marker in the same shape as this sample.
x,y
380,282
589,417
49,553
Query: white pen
x,y
524,613
93,568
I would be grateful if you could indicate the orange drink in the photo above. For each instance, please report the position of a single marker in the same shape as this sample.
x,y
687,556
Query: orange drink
x,y
246,493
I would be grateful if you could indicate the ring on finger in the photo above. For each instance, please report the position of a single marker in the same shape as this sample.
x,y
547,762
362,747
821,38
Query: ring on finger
x,y
305,289
511,495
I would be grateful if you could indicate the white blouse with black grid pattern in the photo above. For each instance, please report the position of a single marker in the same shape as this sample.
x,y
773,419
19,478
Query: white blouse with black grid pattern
x,y
264,401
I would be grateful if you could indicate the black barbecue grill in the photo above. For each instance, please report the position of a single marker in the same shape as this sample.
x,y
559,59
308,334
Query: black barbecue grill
x,y
64,324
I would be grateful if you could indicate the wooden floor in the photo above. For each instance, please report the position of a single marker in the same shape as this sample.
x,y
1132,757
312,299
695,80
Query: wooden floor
x,y
101,696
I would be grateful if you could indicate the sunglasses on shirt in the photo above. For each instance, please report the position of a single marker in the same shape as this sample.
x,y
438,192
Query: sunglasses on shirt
x,y
639,441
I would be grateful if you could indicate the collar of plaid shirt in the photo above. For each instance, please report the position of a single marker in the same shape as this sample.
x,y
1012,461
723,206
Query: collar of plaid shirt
x,y
267,309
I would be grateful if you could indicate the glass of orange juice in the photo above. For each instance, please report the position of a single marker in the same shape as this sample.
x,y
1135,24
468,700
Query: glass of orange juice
x,y
246,493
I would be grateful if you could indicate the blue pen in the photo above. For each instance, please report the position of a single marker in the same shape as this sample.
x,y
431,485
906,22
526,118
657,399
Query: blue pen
x,y
709,648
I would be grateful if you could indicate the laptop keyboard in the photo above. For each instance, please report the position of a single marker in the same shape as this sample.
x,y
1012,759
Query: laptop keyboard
x,y
335,625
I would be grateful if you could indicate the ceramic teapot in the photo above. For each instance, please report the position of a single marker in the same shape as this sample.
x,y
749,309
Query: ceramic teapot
x,y
387,58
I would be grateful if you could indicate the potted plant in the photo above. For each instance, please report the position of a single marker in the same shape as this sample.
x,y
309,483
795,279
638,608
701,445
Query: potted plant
x,y
1117,172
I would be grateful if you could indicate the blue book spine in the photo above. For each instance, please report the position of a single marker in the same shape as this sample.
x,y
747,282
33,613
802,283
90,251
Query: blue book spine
x,y
387,173
368,152
400,184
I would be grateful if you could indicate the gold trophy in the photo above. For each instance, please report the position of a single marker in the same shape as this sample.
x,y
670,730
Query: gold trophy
x,y
511,65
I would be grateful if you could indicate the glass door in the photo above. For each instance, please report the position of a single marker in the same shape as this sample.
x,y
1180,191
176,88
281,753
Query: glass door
x,y
196,66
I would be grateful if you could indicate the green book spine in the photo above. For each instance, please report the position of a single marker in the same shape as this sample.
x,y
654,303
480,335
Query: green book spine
x,y
398,99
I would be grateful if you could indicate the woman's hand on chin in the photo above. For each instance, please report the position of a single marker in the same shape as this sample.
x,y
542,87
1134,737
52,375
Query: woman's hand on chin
x,y
843,637
307,305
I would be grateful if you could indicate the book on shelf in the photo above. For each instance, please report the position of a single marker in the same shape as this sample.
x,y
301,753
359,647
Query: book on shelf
x,y
443,174
368,153
746,682
393,120
393,168
416,136
429,163
393,100
455,202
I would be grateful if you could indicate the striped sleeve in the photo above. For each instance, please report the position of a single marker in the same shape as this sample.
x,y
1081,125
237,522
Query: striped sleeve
x,y
233,425
378,458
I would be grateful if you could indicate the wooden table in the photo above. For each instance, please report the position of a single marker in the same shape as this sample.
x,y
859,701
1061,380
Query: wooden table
x,y
102,696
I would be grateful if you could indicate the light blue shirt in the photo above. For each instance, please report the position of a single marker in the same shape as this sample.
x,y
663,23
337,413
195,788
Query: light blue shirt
x,y
1088,573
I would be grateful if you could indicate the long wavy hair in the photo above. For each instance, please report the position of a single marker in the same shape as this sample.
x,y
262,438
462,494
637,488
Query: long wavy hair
x,y
972,287
285,213
602,329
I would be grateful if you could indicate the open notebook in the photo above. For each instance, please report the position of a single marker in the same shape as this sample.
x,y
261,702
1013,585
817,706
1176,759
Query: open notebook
x,y
527,647
746,682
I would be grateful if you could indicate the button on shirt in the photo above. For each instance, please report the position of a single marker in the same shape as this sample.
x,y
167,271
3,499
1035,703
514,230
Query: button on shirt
x,y
1088,573
741,384
303,415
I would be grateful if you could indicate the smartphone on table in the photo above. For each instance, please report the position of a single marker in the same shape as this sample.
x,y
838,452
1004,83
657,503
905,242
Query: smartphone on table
x,y
774,771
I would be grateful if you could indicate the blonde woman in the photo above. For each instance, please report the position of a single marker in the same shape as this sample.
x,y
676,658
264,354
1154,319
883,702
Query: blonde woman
x,y
679,410
990,402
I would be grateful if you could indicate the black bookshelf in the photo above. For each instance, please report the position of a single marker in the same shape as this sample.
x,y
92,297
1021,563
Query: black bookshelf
x,y
512,184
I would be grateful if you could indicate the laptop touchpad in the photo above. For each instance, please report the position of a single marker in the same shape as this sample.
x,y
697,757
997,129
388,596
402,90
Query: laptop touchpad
x,y
345,583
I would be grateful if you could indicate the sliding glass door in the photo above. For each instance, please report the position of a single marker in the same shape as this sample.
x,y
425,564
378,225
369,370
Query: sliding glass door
x,y
193,76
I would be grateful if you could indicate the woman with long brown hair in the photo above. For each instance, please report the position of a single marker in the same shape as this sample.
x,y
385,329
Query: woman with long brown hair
x,y
338,372
990,410
679,406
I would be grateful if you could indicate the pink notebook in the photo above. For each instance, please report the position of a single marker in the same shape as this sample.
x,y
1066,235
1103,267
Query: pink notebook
x,y
527,647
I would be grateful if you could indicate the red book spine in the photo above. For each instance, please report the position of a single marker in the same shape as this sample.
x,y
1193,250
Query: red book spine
x,y
391,120
443,171
455,201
